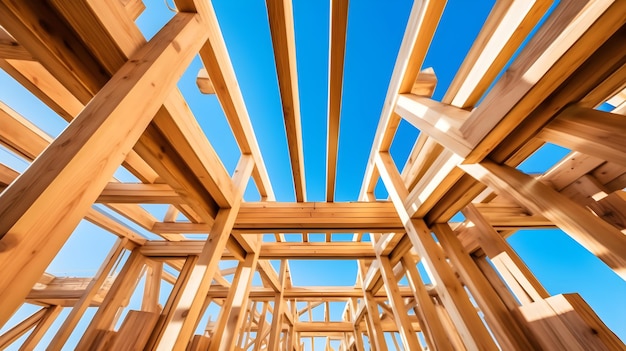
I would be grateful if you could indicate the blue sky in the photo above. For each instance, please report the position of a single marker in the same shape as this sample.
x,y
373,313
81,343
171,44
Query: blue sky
x,y
375,31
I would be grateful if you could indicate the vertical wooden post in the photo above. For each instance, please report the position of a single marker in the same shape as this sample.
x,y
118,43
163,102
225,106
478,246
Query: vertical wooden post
x,y
233,309
432,327
261,325
377,338
277,316
150,302
407,334
172,301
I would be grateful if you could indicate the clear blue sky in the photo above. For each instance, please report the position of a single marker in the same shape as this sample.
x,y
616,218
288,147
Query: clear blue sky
x,y
375,30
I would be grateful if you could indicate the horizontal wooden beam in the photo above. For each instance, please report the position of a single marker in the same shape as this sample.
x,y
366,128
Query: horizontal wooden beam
x,y
138,193
309,293
439,121
592,132
273,217
309,250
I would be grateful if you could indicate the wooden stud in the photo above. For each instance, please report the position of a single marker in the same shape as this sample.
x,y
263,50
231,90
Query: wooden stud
x,y
232,316
408,335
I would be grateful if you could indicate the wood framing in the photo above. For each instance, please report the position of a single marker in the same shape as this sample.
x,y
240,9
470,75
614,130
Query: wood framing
x,y
203,255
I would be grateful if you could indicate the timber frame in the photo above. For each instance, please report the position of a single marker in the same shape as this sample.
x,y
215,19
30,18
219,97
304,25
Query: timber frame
x,y
88,61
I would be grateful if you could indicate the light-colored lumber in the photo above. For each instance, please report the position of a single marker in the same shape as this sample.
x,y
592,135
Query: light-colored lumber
x,y
504,30
597,236
419,31
180,329
79,149
279,308
11,49
217,63
337,52
280,14
441,122
11,335
400,315
42,327
377,338
138,193
592,132
471,329
512,269
291,250
233,310
430,323
509,333
557,40
204,82
79,308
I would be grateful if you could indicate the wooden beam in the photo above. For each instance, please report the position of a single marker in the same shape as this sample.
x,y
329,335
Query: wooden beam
x,y
510,266
430,323
178,331
138,193
203,81
28,141
121,291
279,308
79,308
280,13
336,52
419,32
569,36
440,121
376,336
11,49
233,310
309,293
214,56
589,131
507,25
13,334
508,331
43,33
596,235
42,327
65,180
400,315
302,217
169,309
449,288
267,250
